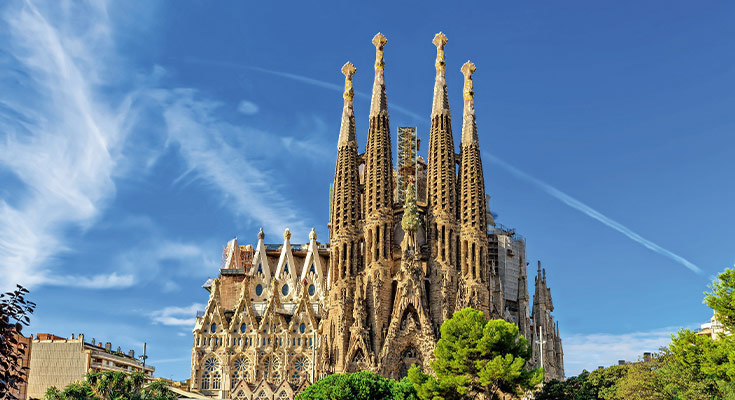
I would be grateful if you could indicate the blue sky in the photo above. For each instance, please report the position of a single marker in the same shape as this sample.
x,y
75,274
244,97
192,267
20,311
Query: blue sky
x,y
136,139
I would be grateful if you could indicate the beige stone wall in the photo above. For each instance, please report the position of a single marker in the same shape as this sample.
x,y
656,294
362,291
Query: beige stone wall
x,y
55,364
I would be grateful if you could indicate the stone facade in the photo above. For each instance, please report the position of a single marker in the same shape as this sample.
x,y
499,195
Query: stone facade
x,y
375,296
56,361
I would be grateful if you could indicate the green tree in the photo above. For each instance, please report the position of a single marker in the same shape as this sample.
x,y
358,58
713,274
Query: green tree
x,y
112,386
693,366
601,383
475,356
641,382
362,385
722,298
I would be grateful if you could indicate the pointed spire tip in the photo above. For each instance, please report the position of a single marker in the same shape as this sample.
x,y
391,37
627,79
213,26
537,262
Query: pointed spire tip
x,y
440,40
349,71
379,40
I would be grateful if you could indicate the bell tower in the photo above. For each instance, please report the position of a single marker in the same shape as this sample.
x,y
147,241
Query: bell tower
x,y
442,196
344,233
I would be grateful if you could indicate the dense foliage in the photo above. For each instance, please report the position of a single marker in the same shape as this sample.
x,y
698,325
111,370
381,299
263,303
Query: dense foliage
x,y
474,357
362,385
691,367
112,386
15,312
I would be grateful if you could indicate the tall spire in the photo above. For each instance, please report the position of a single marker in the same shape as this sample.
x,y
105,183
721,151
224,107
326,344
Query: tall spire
x,y
377,228
347,129
469,126
442,174
441,187
379,102
440,105
378,156
474,214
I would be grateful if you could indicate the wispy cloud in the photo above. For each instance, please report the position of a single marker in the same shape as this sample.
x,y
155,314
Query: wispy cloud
x,y
208,144
592,213
310,81
247,107
589,351
63,141
57,137
110,281
176,316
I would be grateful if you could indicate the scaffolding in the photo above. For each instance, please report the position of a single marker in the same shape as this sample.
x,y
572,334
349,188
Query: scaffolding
x,y
406,168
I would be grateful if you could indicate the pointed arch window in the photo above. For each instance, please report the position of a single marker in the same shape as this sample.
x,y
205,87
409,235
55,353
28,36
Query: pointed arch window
x,y
312,270
241,370
285,269
211,376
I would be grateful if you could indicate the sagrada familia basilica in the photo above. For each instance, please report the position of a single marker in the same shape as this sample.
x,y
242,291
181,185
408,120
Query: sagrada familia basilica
x,y
408,246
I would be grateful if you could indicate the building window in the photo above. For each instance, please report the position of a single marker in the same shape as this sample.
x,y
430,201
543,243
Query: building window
x,y
301,364
284,290
285,269
216,380
241,370
312,289
243,328
312,270
213,328
211,377
302,327
259,290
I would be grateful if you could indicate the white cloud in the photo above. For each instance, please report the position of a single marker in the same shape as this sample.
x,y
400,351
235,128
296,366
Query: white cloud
x,y
248,107
110,281
594,214
58,137
589,351
63,138
208,145
177,316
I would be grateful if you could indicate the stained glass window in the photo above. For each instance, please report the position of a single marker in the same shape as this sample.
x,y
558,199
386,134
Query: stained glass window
x,y
213,328
243,328
301,364
302,327
205,380
240,370
216,380
312,290
284,290
259,290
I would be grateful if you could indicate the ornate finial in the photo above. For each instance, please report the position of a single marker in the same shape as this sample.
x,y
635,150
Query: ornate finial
x,y
312,234
379,40
467,70
261,235
439,41
349,71
287,234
